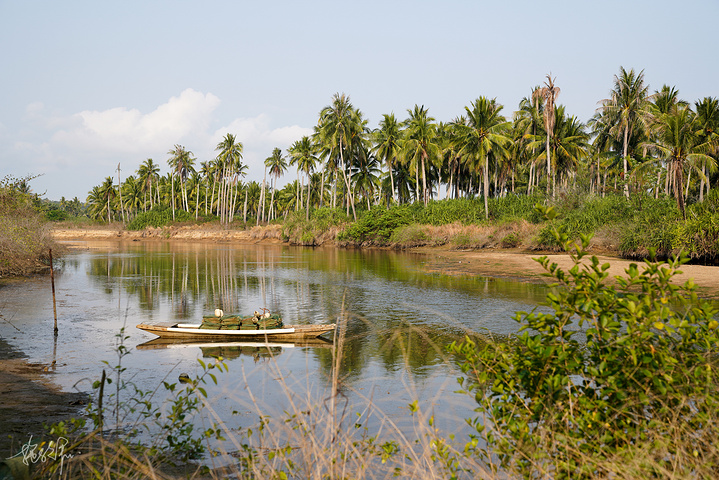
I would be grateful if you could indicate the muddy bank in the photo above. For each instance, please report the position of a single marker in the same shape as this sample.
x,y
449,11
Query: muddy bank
x,y
191,233
29,399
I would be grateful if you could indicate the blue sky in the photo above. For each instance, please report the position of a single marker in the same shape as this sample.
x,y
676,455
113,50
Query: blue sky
x,y
87,85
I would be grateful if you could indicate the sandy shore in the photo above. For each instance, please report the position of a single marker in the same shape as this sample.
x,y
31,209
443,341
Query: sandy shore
x,y
523,266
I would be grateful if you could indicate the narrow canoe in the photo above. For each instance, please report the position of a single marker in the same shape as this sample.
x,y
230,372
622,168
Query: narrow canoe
x,y
194,332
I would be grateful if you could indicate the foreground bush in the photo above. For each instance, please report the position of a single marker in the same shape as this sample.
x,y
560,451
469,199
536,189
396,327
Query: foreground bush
x,y
637,399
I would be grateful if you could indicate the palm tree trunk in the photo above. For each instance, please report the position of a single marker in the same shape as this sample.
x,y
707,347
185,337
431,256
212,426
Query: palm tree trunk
x,y
391,178
424,181
172,180
626,165
486,187
244,210
322,189
307,210
350,198
678,187
549,162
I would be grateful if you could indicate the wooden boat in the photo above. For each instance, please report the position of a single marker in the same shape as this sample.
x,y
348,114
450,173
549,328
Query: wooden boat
x,y
191,331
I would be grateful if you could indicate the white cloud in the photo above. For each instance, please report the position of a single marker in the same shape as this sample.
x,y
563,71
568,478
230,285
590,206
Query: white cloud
x,y
75,152
259,139
122,130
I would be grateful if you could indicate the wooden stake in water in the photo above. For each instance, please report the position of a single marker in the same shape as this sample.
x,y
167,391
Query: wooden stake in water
x,y
52,282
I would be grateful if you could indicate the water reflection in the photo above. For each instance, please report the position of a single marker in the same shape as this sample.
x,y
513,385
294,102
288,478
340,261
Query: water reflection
x,y
394,309
396,320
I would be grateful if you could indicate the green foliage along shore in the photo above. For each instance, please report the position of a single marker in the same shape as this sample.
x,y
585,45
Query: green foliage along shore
x,y
25,238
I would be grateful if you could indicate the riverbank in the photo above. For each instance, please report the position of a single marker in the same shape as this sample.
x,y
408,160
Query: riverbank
x,y
29,399
491,262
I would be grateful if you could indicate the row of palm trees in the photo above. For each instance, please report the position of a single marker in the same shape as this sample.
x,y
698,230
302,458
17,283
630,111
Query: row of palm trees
x,y
635,142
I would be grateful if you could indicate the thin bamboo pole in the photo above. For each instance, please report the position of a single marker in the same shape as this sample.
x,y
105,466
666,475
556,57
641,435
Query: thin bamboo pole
x,y
52,282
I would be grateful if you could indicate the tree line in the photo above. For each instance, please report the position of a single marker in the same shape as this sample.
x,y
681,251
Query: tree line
x,y
636,142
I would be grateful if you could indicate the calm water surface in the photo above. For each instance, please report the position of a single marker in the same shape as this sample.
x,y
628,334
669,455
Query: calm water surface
x,y
398,322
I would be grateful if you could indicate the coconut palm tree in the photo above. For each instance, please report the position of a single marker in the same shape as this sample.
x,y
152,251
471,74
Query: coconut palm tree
x,y
486,132
527,123
569,146
365,176
339,125
107,194
277,165
548,93
678,142
626,110
302,154
707,118
420,147
388,144
182,165
228,160
147,174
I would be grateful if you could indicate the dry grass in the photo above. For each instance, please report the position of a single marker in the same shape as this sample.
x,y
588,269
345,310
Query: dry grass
x,y
516,234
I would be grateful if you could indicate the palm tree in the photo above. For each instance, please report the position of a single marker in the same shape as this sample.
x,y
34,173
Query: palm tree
x,y
107,194
339,124
147,173
527,123
277,165
182,164
229,159
388,144
548,93
626,110
570,143
678,142
707,118
302,154
485,133
421,145
365,176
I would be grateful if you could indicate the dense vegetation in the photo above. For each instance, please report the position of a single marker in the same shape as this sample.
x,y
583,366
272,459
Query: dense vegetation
x,y
24,237
636,143
646,147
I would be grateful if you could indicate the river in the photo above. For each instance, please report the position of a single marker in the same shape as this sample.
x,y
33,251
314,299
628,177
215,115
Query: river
x,y
396,322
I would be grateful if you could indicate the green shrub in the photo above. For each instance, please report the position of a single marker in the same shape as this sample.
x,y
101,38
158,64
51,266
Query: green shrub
x,y
410,236
512,240
698,235
642,384
378,224
158,217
